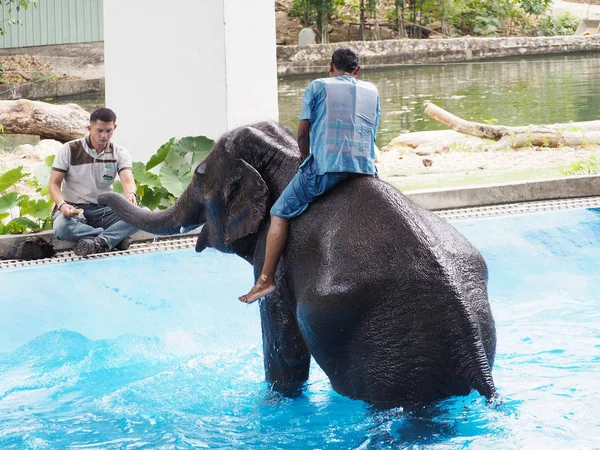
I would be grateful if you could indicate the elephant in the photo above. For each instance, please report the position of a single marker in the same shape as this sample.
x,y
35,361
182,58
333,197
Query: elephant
x,y
388,298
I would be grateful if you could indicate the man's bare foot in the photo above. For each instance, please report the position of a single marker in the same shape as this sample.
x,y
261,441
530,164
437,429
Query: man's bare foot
x,y
263,286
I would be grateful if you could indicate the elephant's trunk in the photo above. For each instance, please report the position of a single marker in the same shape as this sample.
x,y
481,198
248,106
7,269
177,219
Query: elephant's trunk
x,y
187,213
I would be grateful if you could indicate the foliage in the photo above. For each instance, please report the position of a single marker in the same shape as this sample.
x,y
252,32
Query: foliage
x,y
315,12
563,24
174,161
535,7
17,5
462,17
20,213
590,166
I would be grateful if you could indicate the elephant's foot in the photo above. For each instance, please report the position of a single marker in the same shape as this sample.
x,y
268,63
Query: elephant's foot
x,y
264,286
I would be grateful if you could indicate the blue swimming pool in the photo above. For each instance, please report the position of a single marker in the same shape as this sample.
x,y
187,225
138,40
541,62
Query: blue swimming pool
x,y
155,351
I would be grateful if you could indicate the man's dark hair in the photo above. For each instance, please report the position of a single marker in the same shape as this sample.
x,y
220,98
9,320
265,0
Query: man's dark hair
x,y
103,114
345,58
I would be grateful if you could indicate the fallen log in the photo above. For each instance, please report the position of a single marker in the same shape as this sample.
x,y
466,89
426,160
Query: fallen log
x,y
579,134
59,122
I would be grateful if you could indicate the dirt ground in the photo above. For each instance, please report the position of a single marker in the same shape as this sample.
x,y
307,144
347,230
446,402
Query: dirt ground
x,y
19,69
407,170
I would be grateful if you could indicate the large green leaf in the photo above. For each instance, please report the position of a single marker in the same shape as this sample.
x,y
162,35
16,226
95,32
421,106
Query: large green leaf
x,y
9,178
40,209
4,216
142,176
176,160
21,224
175,181
160,155
199,147
152,198
42,175
194,144
49,161
9,200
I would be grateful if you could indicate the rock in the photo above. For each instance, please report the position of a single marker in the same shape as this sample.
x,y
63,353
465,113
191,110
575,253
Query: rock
x,y
427,162
435,26
39,152
307,36
425,150
386,32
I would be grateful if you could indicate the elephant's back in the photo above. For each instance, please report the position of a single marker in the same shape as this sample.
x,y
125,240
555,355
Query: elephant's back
x,y
365,220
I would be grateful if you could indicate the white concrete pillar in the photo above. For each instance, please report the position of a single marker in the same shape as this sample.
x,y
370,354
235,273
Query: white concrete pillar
x,y
188,68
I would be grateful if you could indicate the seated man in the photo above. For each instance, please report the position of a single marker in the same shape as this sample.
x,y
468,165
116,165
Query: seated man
x,y
338,125
82,170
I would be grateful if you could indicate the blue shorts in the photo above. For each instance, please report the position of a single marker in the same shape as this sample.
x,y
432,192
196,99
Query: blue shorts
x,y
303,189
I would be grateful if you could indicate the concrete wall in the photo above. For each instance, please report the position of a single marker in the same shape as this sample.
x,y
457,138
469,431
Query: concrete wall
x,y
295,60
195,68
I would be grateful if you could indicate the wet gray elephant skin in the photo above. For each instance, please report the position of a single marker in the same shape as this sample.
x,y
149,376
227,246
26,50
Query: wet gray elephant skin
x,y
389,299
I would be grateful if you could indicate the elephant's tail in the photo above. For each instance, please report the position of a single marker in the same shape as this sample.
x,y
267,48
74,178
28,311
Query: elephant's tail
x,y
482,380
476,366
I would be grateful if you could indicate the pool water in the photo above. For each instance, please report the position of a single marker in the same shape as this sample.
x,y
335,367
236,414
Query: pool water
x,y
155,351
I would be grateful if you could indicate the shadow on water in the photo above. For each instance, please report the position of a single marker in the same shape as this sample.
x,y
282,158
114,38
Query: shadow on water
x,y
448,422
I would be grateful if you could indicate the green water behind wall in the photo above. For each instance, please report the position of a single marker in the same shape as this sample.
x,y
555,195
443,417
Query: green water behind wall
x,y
511,92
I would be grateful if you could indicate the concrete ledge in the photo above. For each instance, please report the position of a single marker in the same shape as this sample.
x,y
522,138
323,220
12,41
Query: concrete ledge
x,y
7,241
311,59
91,52
52,89
554,189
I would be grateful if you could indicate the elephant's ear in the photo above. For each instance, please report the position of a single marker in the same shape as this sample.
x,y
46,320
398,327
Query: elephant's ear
x,y
246,199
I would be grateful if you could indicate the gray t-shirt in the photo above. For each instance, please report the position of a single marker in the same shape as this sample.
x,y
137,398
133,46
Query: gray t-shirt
x,y
87,173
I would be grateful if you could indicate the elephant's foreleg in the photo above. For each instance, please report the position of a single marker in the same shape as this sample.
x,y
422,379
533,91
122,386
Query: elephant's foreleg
x,y
286,355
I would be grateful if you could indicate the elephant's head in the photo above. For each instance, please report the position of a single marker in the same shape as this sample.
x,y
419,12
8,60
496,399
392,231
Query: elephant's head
x,y
226,194
234,196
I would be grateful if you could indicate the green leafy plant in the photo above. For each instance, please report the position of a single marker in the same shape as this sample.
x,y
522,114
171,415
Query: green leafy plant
x,y
591,166
20,213
17,5
174,163
564,24
168,172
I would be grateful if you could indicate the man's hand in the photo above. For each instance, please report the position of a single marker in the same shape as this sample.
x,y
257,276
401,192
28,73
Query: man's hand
x,y
131,197
68,210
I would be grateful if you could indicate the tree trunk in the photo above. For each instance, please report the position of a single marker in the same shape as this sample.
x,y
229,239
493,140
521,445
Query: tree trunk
x,y
60,122
400,19
363,34
579,134
324,25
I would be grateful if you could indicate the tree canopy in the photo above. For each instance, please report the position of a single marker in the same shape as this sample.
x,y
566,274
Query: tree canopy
x,y
14,6
457,17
